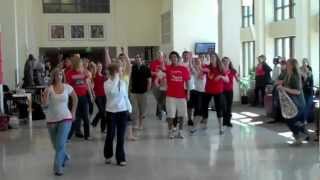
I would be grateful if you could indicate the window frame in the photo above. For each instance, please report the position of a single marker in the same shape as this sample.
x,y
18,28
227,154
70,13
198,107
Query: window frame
x,y
247,16
248,63
283,46
77,6
282,8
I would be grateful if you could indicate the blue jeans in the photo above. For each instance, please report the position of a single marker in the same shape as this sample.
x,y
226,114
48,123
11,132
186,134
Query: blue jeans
x,y
297,125
59,135
308,110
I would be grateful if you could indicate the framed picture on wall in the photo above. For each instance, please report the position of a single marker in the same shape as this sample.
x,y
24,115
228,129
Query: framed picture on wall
x,y
96,32
77,32
57,32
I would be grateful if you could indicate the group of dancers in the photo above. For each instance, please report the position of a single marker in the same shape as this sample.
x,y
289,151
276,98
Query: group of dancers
x,y
183,88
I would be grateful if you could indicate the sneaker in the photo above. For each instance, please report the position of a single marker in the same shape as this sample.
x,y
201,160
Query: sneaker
x,y
58,174
180,135
79,135
123,163
108,161
171,134
193,131
88,138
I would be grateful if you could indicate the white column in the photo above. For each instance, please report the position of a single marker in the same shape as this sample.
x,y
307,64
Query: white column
x,y
259,29
230,43
1,71
16,37
302,44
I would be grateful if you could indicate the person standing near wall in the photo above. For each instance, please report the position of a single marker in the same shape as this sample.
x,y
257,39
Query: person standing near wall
x,y
214,88
307,83
140,85
79,80
118,108
59,117
262,79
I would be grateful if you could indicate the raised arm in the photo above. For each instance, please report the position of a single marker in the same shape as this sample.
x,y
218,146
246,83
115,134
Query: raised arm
x,y
107,59
128,67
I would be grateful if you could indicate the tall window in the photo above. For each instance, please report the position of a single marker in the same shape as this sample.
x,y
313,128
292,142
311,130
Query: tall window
x,y
76,6
248,15
284,47
283,9
248,57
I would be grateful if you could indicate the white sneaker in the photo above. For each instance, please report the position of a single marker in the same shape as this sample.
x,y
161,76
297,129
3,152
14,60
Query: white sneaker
x,y
171,134
180,135
123,163
193,131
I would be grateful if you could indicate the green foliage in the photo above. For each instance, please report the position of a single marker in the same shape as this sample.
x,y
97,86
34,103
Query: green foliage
x,y
245,82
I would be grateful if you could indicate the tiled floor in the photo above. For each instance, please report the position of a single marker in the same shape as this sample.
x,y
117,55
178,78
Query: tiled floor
x,y
249,151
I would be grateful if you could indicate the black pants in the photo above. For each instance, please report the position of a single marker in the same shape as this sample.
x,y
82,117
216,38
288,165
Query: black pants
x,y
90,104
198,101
101,104
228,95
81,114
219,104
116,122
257,91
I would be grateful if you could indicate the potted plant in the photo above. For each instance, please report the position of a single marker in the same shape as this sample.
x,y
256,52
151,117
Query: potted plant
x,y
244,87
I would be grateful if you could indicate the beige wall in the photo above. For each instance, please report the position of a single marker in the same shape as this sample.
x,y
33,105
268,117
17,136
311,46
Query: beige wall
x,y
26,28
194,22
282,28
130,23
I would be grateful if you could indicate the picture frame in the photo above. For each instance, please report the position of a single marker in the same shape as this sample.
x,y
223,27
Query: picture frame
x,y
96,31
77,32
57,32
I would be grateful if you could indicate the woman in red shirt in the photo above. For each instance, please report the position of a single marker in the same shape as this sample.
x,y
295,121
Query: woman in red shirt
x,y
100,100
232,74
214,88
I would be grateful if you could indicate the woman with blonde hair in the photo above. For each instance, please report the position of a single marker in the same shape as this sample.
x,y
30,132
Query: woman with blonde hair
x,y
80,81
126,68
118,108
292,85
59,117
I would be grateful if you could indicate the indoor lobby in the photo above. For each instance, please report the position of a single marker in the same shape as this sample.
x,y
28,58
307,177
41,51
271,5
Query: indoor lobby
x,y
259,144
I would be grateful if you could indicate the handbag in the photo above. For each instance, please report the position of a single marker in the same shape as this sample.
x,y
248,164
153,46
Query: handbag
x,y
289,109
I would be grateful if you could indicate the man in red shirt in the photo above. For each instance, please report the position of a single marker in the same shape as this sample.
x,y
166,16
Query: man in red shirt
x,y
159,94
176,100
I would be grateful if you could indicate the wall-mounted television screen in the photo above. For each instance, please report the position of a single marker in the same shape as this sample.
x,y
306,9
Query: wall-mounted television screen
x,y
204,48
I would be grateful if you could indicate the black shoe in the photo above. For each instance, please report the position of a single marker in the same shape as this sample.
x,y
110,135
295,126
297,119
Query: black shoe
x,y
93,124
273,122
190,123
229,125
58,174
79,135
